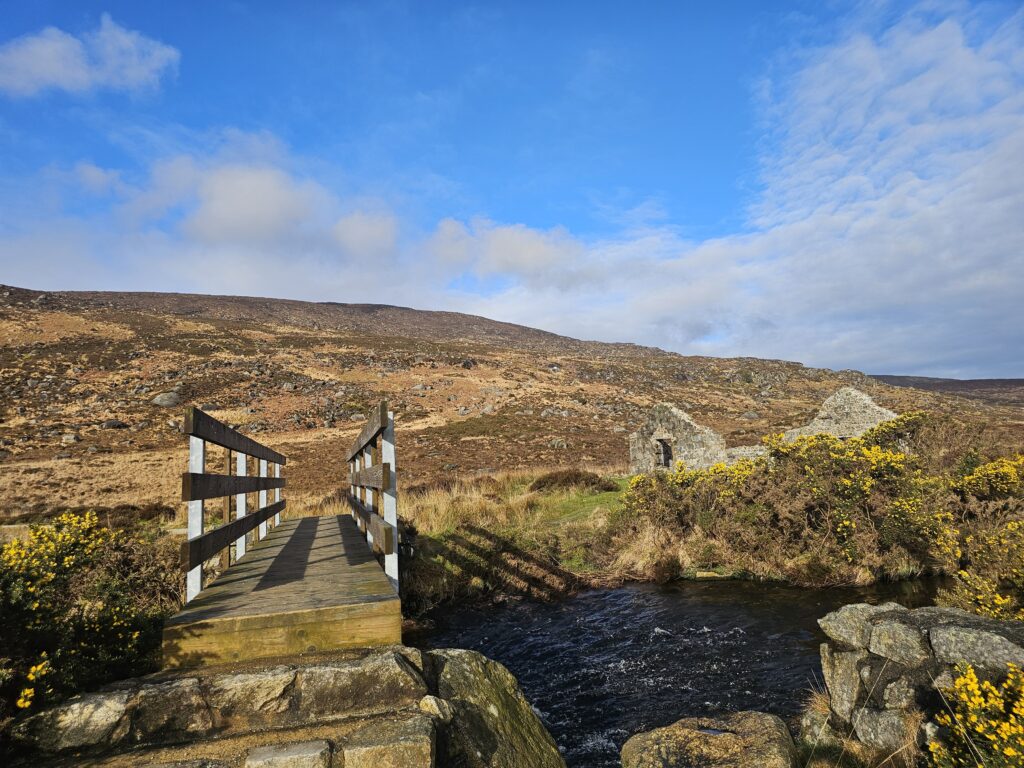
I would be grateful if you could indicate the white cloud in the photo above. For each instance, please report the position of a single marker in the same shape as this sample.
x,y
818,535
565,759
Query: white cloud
x,y
367,235
887,236
255,206
99,181
110,57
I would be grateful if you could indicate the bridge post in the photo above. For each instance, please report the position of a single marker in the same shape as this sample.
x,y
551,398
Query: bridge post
x,y
389,497
369,494
241,469
196,463
277,494
262,500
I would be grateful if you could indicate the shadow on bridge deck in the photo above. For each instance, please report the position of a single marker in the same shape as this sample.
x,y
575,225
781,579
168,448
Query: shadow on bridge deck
x,y
311,585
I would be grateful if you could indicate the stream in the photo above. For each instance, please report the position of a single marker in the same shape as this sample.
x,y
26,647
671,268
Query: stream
x,y
606,664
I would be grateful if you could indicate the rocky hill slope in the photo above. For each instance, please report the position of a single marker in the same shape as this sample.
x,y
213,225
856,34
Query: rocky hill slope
x,y
92,387
994,391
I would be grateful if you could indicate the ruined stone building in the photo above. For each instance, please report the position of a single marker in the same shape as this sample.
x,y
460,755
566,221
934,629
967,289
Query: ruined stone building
x,y
670,435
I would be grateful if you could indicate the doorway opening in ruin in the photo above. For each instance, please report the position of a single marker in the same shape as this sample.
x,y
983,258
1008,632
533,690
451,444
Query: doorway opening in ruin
x,y
664,453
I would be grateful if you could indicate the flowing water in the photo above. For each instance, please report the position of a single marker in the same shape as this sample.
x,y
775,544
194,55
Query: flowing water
x,y
610,663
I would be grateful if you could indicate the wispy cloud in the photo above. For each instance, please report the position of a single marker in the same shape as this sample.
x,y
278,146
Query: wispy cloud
x,y
109,57
886,235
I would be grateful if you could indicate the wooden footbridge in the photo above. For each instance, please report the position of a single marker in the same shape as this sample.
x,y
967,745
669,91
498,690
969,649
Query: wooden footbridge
x,y
285,587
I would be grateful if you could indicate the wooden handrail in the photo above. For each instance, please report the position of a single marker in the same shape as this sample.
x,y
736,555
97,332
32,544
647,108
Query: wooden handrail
x,y
197,551
202,425
375,424
382,533
377,477
203,486
374,487
197,485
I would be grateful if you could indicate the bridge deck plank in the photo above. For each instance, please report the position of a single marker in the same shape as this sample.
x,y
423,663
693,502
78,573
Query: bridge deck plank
x,y
311,585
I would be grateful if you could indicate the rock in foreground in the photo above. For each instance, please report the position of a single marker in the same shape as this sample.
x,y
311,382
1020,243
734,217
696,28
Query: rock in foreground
x,y
386,708
738,740
494,725
884,667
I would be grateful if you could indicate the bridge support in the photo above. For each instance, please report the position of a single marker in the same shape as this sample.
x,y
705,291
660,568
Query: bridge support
x,y
390,496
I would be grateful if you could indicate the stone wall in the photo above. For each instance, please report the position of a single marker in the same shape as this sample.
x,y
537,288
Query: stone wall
x,y
696,446
847,413
884,666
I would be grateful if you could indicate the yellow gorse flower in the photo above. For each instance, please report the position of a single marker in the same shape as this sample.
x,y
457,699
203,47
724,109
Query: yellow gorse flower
x,y
983,723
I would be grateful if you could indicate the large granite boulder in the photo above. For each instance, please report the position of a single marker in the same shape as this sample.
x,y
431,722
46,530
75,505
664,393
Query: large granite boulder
x,y
392,707
738,740
884,667
148,711
494,725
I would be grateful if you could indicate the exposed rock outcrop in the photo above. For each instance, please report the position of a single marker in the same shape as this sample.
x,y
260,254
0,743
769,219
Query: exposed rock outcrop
x,y
737,740
847,413
884,665
493,725
388,708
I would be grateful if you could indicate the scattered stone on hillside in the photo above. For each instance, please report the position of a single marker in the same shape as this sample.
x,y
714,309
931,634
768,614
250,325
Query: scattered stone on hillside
x,y
68,438
468,363
167,399
405,743
847,413
299,754
737,740
114,424
494,725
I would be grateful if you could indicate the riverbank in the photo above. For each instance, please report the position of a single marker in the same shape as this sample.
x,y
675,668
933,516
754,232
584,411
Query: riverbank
x,y
917,496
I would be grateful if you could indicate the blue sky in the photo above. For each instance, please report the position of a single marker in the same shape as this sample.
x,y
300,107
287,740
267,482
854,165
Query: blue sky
x,y
836,183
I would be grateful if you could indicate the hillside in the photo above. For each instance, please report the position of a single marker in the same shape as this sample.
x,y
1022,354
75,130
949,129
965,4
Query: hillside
x,y
995,391
79,371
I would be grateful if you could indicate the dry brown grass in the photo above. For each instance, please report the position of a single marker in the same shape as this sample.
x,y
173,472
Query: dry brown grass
x,y
101,480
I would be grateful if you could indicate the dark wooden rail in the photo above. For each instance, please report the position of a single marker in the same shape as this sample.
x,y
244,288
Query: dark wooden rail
x,y
197,486
373,492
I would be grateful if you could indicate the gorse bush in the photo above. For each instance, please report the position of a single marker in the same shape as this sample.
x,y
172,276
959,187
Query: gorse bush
x,y
992,582
80,605
999,479
814,510
983,723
